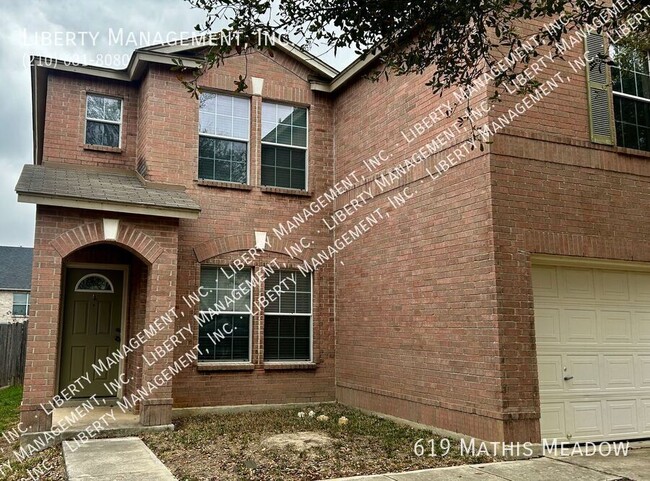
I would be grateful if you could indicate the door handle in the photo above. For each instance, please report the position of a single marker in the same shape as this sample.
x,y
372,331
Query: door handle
x,y
117,338
568,378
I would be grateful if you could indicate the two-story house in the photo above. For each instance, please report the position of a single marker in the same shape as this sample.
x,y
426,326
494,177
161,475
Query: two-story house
x,y
359,245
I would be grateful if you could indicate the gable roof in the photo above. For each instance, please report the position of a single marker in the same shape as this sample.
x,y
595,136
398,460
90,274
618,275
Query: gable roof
x,y
156,54
16,268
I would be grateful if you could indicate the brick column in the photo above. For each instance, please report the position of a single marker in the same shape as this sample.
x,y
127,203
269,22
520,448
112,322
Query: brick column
x,y
156,409
42,337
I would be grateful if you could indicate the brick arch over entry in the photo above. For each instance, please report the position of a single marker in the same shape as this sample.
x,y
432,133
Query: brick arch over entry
x,y
93,232
231,243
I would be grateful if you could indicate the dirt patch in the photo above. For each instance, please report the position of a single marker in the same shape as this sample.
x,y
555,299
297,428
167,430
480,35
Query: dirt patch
x,y
267,446
300,442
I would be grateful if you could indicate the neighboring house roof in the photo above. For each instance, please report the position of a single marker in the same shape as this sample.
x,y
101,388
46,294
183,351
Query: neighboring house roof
x,y
16,268
108,189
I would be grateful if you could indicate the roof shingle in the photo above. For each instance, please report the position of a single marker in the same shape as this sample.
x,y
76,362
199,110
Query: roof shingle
x,y
16,268
112,186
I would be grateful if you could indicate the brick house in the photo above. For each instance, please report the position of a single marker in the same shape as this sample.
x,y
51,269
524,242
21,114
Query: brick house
x,y
501,292
15,283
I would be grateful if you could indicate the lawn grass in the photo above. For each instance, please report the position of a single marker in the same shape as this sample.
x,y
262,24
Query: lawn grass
x,y
52,458
9,403
232,447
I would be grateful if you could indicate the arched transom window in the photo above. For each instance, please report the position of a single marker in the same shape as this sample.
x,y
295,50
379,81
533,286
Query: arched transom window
x,y
94,283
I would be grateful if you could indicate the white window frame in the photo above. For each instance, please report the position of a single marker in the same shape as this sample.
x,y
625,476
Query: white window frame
x,y
112,122
616,93
226,137
275,144
233,313
302,314
13,304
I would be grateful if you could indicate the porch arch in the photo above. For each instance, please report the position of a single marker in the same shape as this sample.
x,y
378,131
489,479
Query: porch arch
x,y
129,237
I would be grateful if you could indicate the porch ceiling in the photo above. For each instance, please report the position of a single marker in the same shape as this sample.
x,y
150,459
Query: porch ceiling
x,y
108,189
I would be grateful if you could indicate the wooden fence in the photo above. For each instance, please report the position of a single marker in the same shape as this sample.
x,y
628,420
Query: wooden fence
x,y
12,353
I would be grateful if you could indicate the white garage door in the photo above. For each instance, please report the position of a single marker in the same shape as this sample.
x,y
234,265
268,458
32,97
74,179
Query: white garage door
x,y
593,351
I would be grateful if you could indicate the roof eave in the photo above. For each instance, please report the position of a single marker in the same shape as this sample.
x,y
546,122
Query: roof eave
x,y
107,206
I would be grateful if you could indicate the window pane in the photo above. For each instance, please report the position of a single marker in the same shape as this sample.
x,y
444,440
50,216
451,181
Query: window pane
x,y
111,135
269,133
221,286
282,285
299,136
112,109
99,133
20,298
223,125
300,117
643,85
240,107
221,338
231,163
94,107
19,310
207,123
283,134
206,168
287,338
283,124
632,120
208,102
283,115
283,167
94,133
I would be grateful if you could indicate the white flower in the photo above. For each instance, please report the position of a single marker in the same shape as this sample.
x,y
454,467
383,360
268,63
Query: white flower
x,y
301,414
343,420
322,417
312,414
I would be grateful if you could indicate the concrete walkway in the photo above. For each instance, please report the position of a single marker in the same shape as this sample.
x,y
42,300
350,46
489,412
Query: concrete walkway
x,y
635,466
119,459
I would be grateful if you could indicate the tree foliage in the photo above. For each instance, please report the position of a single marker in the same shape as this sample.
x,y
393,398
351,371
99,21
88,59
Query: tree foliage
x,y
461,38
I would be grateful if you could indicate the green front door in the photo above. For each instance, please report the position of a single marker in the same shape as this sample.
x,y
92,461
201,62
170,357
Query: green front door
x,y
91,327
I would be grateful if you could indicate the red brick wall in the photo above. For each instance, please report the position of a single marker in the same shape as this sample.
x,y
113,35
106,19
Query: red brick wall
x,y
64,132
160,130
416,305
172,156
565,112
51,248
573,199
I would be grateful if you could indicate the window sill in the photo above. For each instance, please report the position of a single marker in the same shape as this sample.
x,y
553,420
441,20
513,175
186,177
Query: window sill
x,y
103,148
287,366
283,190
225,185
225,366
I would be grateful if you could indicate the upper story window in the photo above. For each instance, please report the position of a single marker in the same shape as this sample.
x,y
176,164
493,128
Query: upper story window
x,y
631,89
20,304
284,146
103,120
223,137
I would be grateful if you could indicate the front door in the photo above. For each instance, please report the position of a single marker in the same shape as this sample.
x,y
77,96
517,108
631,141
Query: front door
x,y
91,327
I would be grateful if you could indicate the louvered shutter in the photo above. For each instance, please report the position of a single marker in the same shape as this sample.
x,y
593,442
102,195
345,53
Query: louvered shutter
x,y
600,105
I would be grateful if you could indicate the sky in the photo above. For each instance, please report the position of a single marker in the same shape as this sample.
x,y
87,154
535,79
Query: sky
x,y
87,31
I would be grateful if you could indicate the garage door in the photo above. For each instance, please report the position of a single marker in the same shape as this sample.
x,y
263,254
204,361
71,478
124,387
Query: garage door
x,y
593,350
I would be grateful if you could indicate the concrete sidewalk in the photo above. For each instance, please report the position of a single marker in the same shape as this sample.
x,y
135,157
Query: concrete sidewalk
x,y
119,459
635,466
